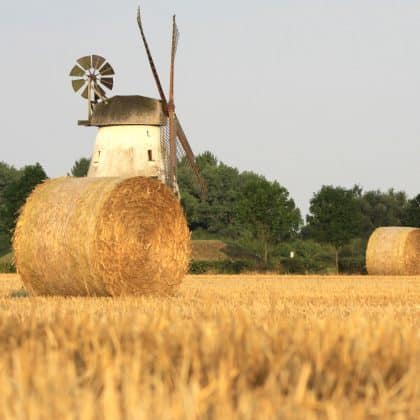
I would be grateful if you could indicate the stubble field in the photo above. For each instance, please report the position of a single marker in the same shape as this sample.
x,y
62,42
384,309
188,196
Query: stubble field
x,y
242,347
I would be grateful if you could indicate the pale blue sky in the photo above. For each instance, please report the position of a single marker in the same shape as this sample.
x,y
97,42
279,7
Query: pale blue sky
x,y
304,92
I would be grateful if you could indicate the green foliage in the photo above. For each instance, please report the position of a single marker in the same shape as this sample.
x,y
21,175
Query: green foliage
x,y
17,294
239,206
80,167
335,216
266,211
206,159
216,214
215,256
412,212
216,250
4,242
14,196
310,257
382,209
222,182
222,267
8,174
352,257
7,264
346,219
202,234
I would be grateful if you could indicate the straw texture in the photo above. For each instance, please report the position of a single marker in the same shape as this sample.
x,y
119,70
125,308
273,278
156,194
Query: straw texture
x,y
101,237
394,251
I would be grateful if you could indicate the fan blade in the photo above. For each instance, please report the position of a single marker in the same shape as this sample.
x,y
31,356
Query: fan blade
x,y
152,64
190,156
76,71
106,70
85,62
99,91
85,93
107,82
77,84
97,61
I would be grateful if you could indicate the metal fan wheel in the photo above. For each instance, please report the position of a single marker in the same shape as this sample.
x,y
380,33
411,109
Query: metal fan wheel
x,y
94,69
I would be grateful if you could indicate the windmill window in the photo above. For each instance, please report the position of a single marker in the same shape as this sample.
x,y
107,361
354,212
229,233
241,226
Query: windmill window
x,y
150,155
98,155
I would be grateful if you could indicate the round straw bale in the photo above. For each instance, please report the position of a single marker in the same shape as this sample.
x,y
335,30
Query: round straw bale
x,y
394,251
101,237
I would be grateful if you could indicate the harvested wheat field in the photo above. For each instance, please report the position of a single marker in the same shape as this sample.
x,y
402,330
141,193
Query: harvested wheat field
x,y
223,347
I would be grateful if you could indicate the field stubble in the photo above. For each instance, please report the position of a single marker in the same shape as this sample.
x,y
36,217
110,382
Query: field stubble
x,y
223,347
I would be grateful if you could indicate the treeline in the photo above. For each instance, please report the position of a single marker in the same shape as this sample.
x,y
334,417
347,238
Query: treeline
x,y
15,186
247,209
249,212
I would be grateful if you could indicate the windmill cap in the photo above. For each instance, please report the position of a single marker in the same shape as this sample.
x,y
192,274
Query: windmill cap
x,y
128,110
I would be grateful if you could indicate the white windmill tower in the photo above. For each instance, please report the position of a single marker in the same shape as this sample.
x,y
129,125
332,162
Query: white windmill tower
x,y
137,136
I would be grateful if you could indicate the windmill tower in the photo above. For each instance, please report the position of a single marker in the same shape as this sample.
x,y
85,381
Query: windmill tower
x,y
137,135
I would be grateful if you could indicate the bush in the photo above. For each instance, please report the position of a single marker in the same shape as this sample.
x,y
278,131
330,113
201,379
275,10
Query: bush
x,y
21,293
7,267
221,267
4,243
309,257
7,264
352,257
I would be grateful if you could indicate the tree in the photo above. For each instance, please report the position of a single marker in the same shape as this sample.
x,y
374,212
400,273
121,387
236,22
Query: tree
x,y
8,174
382,209
80,168
239,206
412,212
267,211
216,214
206,159
335,217
190,193
15,194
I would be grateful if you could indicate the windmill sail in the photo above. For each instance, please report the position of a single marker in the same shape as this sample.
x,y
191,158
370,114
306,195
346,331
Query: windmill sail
x,y
171,105
175,150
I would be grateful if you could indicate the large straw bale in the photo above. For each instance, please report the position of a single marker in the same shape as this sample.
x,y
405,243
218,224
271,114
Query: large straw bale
x,y
101,237
394,251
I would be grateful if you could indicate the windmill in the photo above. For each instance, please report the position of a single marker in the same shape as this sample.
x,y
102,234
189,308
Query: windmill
x,y
92,74
137,136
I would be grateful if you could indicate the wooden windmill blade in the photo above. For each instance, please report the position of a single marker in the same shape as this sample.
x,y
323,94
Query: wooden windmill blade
x,y
171,106
174,126
152,63
190,156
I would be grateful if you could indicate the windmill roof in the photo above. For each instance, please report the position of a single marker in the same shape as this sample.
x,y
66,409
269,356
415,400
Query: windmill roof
x,y
128,110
